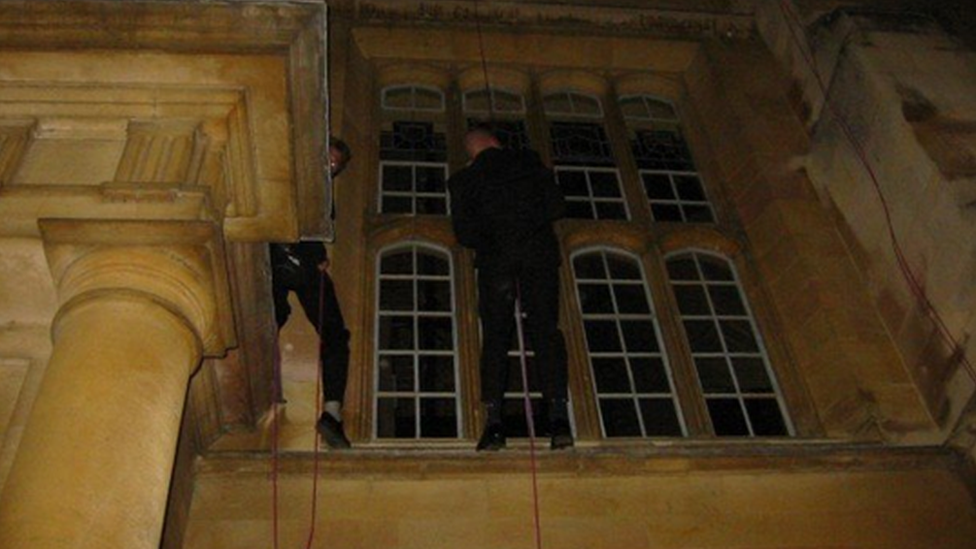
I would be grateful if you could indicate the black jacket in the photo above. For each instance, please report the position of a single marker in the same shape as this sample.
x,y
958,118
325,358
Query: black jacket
x,y
503,206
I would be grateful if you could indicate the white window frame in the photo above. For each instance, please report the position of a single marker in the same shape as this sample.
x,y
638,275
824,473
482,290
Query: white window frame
x,y
491,95
760,341
412,194
416,247
616,316
591,199
645,99
413,98
573,111
679,202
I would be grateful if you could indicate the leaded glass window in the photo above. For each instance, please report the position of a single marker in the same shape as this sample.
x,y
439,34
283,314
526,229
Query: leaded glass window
x,y
667,170
631,375
734,374
417,391
583,158
413,152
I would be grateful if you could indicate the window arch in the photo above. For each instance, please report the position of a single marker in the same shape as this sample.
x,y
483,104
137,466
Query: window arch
x,y
416,388
632,378
413,151
667,170
412,97
572,103
507,114
733,370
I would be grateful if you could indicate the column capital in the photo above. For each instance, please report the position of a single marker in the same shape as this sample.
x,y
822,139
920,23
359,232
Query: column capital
x,y
178,264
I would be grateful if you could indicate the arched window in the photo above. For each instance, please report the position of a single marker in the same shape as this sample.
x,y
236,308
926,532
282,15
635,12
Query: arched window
x,y
413,151
673,186
416,387
583,157
631,375
507,114
740,390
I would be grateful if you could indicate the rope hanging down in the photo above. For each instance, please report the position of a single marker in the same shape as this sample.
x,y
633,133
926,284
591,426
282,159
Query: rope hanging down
x,y
915,286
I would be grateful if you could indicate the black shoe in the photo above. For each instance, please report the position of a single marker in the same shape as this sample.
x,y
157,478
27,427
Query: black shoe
x,y
493,439
562,435
331,431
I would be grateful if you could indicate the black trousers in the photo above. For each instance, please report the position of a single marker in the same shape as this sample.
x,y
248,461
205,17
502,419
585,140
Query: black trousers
x,y
312,288
537,280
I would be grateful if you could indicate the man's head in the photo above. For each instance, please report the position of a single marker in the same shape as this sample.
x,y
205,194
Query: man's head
x,y
339,155
480,138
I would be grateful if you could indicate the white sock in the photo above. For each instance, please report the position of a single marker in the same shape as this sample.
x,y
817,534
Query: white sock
x,y
334,409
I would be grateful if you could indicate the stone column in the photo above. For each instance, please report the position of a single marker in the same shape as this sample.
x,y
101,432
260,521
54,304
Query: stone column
x,y
141,304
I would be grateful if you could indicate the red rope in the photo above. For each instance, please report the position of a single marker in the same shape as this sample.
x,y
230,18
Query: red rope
x,y
792,18
275,393
318,412
529,417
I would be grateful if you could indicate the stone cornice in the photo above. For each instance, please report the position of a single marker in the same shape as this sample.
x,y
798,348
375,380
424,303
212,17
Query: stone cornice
x,y
655,19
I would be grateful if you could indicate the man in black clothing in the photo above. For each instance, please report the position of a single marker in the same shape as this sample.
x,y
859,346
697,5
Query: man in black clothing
x,y
302,268
504,204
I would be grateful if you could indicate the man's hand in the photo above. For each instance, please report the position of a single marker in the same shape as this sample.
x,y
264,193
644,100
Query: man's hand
x,y
324,266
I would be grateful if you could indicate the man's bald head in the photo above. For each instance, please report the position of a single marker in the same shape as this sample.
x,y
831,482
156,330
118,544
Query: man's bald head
x,y
478,139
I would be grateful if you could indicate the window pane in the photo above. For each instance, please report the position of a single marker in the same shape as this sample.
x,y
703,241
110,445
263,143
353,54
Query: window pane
x,y
650,375
428,99
660,417
595,299
765,417
396,332
586,105
727,300
631,299
436,374
727,418
579,210
689,188
602,336
438,418
430,179
661,110
396,295
572,183
398,98
751,375
431,206
397,178
714,376
611,375
396,417
639,336
703,336
658,186
691,300
633,107
605,184
619,417
396,373
738,336
557,103
623,268
430,264
682,268
433,295
436,333
400,262
715,269
589,266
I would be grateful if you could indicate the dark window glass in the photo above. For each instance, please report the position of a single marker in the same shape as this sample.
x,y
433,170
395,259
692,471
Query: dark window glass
x,y
396,295
631,299
436,374
703,336
580,143
611,375
590,267
661,150
396,417
433,295
751,375
438,418
602,336
666,212
765,417
413,141
727,418
650,375
595,299
691,300
619,417
396,332
660,417
396,373
713,373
